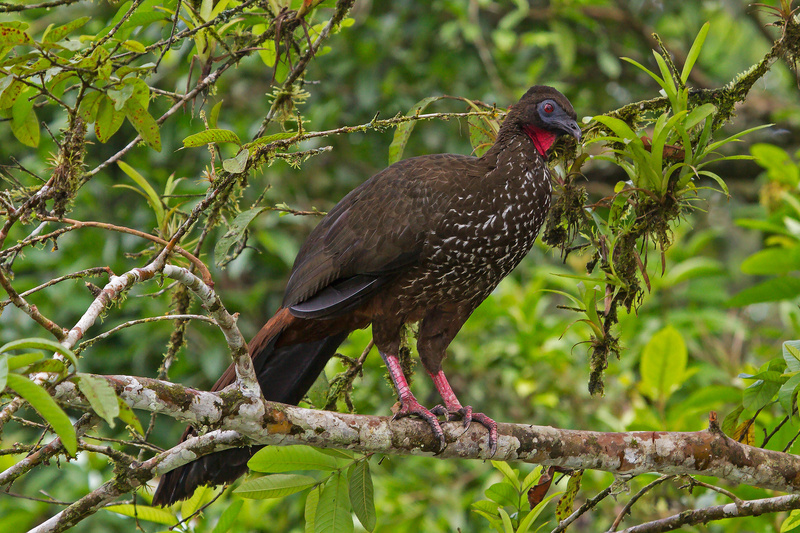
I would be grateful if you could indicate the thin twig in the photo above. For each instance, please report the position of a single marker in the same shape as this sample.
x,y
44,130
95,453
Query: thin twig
x,y
589,504
627,509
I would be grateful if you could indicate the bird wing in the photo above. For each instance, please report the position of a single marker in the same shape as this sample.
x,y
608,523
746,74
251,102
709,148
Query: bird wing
x,y
373,233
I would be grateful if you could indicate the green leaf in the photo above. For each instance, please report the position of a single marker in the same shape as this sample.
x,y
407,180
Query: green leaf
x,y
762,391
619,127
481,137
89,106
108,119
531,479
508,527
773,261
134,46
274,486
698,114
47,407
786,393
143,123
200,496
211,136
504,467
779,165
12,36
23,360
792,522
127,415
791,354
144,512
692,268
24,123
289,458
503,493
150,193
271,138
527,522
3,371
11,94
362,497
310,510
228,517
772,290
101,396
694,52
233,235
213,116
663,364
41,344
237,164
403,131
333,510
55,35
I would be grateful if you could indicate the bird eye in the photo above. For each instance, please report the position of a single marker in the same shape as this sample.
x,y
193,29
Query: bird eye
x,y
548,108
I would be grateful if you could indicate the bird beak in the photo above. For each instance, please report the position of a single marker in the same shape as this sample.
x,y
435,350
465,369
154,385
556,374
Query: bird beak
x,y
571,127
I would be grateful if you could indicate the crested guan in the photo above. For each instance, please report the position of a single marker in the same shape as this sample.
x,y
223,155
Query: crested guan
x,y
425,240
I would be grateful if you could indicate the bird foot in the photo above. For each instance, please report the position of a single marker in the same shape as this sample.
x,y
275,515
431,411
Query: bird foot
x,y
465,413
410,406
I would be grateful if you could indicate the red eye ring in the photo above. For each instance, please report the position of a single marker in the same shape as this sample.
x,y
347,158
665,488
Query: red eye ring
x,y
548,108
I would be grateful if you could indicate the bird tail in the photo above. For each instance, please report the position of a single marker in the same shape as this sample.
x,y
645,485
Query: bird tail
x,y
285,373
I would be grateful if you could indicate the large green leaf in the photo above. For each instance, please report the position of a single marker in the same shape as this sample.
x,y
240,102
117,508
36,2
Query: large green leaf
x,y
773,261
772,290
289,458
333,509
46,406
663,364
274,486
362,497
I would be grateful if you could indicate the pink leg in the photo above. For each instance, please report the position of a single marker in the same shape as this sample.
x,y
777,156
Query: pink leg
x,y
408,403
452,409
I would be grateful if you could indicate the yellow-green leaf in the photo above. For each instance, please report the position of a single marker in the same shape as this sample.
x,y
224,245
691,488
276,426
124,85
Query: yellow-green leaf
x,y
144,512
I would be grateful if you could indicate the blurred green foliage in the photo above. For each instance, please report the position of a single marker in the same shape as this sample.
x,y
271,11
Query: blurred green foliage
x,y
708,336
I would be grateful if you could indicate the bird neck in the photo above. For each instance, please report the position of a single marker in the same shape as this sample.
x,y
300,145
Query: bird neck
x,y
534,144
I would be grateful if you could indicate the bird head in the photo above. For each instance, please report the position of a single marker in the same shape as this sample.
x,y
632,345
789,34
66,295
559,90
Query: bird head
x,y
543,114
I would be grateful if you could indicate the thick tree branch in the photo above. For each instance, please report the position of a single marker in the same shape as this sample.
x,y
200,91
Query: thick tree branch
x,y
708,453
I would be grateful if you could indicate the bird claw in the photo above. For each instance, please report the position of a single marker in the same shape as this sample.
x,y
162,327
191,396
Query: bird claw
x,y
466,414
410,407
